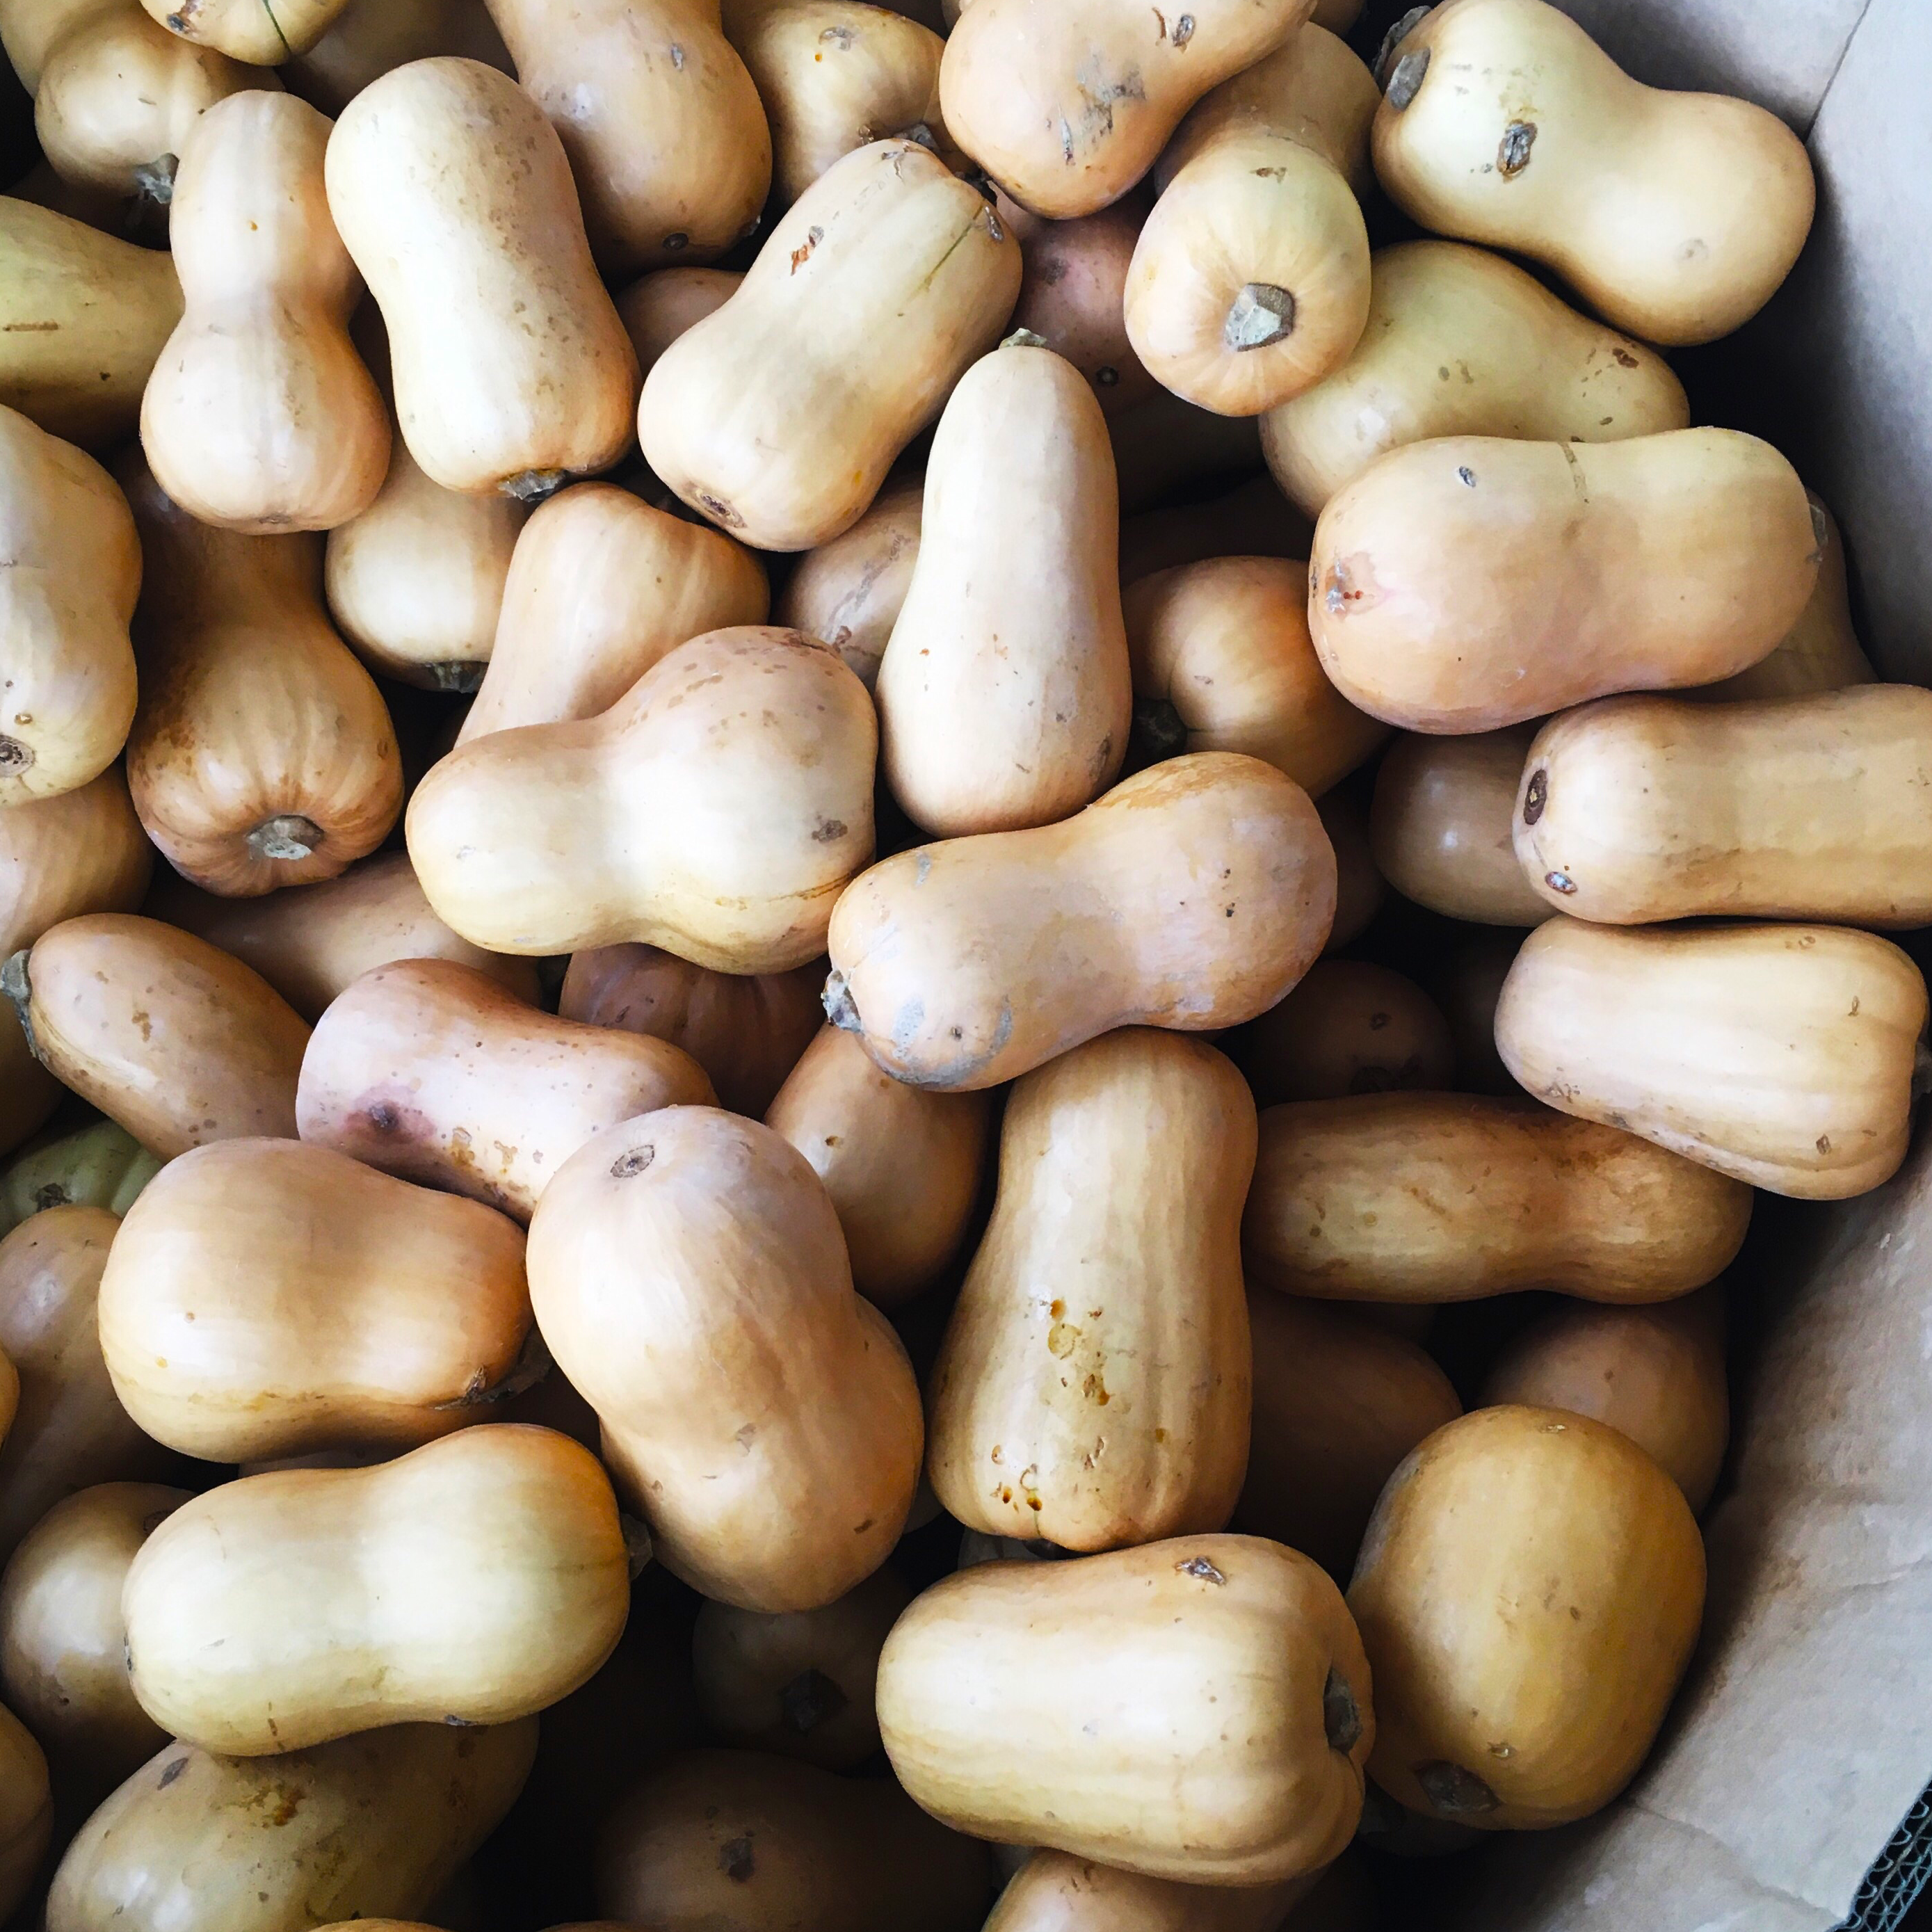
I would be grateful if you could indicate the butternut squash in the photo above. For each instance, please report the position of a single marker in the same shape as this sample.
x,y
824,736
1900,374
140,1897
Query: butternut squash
x,y
69,1430
28,29
660,120
1013,1699
1446,1197
72,569
902,1165
28,1093
1676,216
81,851
1250,281
313,945
1350,1027
26,1811
1339,1402
62,1636
600,586
1821,652
1467,987
1459,342
1222,662
835,75
445,174
1360,889
965,963
1093,1387
1528,1595
1067,106
118,95
740,1839
1471,582
1054,1892
747,1030
101,1166
1250,520
1005,695
247,31
850,591
778,415
1656,1374
432,1072
1632,811
799,1685
261,753
1784,1055
167,1035
488,1578
1073,281
267,1297
366,1826
365,43
656,309
82,318
1440,825
681,817
691,1279
1163,447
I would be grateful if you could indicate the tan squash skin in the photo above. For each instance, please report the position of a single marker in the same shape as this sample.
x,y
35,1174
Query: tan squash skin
x,y
691,1281
1250,280
1675,216
778,415
1055,1892
28,29
967,963
26,1811
69,1430
737,1838
681,817
72,568
798,1685
1467,987
747,1030
1222,662
1656,1374
1163,447
76,306
1250,520
1784,1055
267,1297
1350,1027
1529,1594
175,1039
247,30
262,753
834,75
850,591
475,1580
1339,1402
600,587
1821,652
1093,1387
62,1634
1066,106
367,1826
1359,889
119,95
259,415
902,1165
416,583
1012,1701
432,1072
656,309
1559,573
365,43
1634,811
28,1093
83,851
312,945
1440,823
1447,1197
1520,362
1005,695
1074,274
659,118
444,173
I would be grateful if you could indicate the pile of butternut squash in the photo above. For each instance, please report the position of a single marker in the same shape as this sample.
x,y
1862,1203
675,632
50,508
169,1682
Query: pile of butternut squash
x,y
811,816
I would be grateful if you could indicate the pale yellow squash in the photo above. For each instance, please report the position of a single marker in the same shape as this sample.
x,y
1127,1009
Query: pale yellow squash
x,y
246,30
850,591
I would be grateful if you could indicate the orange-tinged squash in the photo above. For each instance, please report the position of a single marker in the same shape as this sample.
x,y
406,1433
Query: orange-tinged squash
x,y
1350,1027
1072,284
81,851
657,308
28,1093
1053,1891
26,1811
1528,1595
